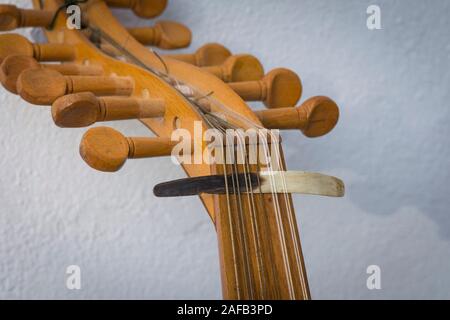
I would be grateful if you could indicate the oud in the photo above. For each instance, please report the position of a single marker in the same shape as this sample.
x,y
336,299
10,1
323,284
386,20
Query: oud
x,y
106,72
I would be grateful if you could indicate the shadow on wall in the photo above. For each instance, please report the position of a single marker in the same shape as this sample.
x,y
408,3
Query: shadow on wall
x,y
394,155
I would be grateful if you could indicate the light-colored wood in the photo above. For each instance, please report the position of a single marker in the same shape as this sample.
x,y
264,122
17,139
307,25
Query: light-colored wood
x,y
263,262
15,44
238,68
316,117
274,274
270,267
12,17
13,65
280,88
44,86
141,8
164,34
84,109
211,54
106,149
300,182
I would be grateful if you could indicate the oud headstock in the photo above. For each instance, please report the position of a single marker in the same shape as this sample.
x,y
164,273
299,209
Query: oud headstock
x,y
104,72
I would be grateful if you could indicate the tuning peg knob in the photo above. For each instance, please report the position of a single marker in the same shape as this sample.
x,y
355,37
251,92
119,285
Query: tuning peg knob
x,y
13,66
106,149
14,44
141,8
12,17
242,67
278,89
211,54
316,117
164,35
44,86
83,109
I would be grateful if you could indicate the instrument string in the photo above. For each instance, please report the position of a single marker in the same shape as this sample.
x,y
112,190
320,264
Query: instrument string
x,y
251,204
279,220
292,226
192,95
231,148
266,225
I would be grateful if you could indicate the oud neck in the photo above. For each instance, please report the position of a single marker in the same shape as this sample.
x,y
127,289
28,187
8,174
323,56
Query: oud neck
x,y
259,248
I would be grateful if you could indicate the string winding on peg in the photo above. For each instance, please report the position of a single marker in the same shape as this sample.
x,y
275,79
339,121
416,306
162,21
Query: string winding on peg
x,y
255,182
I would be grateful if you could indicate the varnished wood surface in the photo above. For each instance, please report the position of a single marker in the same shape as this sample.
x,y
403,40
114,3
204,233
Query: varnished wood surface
x,y
258,240
315,117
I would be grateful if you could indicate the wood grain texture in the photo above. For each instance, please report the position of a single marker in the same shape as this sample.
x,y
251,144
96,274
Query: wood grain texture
x,y
13,65
316,117
237,68
280,88
211,54
164,34
44,86
263,182
141,8
259,246
322,114
84,109
14,44
106,149
12,18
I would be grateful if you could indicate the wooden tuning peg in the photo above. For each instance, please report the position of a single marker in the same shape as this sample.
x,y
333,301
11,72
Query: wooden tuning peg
x,y
242,67
44,86
12,66
278,89
83,109
315,117
164,35
14,44
106,149
141,8
211,54
12,17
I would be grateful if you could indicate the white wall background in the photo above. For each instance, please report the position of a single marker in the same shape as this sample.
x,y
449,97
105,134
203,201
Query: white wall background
x,y
391,147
